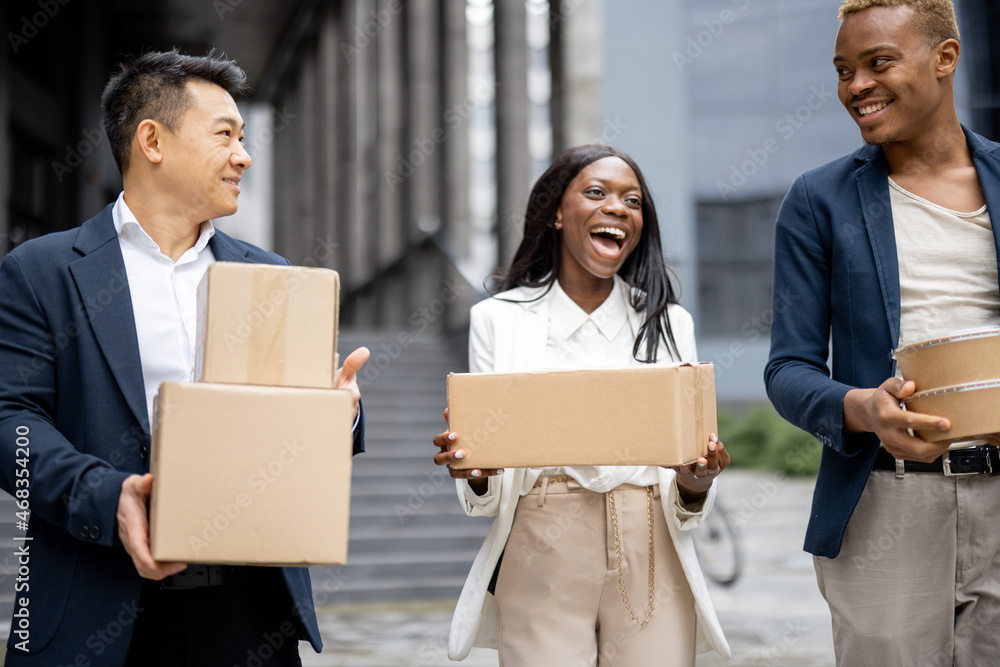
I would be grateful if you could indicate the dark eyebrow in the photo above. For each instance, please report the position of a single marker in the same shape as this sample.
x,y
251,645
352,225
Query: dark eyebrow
x,y
229,120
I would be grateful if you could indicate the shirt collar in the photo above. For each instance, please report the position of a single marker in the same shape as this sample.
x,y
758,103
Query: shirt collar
x,y
128,227
566,317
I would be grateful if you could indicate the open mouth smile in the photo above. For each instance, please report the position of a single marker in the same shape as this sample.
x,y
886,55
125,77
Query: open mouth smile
x,y
608,240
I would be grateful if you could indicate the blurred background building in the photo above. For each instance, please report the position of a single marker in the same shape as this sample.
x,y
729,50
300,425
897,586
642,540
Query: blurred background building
x,y
396,141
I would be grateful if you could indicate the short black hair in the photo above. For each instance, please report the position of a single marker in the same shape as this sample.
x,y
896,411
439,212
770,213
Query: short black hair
x,y
153,86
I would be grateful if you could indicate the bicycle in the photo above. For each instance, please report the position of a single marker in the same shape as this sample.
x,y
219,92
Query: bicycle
x,y
717,544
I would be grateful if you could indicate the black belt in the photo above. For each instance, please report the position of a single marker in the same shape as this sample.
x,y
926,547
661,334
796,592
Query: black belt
x,y
975,461
200,576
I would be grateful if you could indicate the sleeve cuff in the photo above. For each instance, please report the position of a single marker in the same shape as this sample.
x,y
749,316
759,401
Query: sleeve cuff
x,y
484,505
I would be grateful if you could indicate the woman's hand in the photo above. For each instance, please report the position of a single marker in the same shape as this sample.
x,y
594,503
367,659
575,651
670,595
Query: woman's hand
x,y
477,478
695,479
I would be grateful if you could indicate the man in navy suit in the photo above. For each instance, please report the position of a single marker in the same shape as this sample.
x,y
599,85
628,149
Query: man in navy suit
x,y
91,321
889,245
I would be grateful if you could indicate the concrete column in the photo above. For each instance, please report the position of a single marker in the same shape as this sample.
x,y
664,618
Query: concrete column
x,y
392,117
512,116
306,225
580,68
454,187
424,145
332,192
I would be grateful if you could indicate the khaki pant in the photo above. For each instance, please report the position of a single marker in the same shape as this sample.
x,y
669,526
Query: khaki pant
x,y
917,581
558,591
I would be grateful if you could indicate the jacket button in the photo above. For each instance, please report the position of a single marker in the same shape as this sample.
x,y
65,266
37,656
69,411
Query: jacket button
x,y
84,532
143,453
95,533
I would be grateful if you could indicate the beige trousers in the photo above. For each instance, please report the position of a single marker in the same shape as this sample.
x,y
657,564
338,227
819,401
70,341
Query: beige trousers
x,y
558,591
917,581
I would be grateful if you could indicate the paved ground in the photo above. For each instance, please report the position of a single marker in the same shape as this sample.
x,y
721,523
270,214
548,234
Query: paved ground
x,y
773,616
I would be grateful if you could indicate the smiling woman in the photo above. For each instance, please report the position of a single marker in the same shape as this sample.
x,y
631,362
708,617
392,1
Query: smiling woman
x,y
597,187
587,288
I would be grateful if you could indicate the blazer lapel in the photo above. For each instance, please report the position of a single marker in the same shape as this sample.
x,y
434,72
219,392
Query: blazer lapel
x,y
534,327
873,187
224,250
988,169
103,286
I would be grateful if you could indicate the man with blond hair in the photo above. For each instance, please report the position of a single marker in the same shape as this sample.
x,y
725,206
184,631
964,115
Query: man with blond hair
x,y
886,246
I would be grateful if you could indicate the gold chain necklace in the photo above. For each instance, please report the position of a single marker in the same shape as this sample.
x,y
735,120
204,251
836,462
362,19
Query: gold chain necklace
x,y
618,555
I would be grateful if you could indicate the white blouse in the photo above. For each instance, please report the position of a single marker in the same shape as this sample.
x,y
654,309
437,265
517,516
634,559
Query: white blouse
x,y
602,339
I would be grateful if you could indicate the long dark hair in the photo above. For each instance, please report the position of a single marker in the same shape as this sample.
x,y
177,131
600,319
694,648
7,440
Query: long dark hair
x,y
537,260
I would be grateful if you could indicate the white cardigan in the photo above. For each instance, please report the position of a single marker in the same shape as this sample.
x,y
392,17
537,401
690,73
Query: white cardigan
x,y
508,337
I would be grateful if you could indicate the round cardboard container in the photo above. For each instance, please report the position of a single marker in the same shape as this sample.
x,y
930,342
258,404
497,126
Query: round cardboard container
x,y
971,408
962,358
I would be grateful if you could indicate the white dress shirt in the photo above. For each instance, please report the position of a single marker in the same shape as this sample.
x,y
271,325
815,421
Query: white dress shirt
x,y
602,339
164,300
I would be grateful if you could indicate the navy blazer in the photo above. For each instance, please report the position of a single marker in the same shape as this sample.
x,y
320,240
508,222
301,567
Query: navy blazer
x,y
836,275
73,408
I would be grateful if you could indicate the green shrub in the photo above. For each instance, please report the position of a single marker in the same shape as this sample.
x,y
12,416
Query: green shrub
x,y
761,439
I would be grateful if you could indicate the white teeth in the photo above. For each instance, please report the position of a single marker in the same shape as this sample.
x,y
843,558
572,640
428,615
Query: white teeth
x,y
617,233
872,108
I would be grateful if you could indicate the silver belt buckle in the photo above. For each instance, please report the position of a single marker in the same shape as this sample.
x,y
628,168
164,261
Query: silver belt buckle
x,y
946,465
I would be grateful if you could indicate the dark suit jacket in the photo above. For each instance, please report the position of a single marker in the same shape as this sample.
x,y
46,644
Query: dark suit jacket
x,y
836,274
71,388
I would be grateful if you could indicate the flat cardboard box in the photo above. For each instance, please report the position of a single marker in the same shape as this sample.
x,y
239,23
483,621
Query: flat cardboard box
x,y
961,358
971,408
250,475
267,325
653,414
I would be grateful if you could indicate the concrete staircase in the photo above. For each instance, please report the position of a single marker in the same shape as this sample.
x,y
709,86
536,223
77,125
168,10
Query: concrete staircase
x,y
409,537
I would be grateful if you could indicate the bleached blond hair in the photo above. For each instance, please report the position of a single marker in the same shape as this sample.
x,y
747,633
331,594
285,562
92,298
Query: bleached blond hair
x,y
935,18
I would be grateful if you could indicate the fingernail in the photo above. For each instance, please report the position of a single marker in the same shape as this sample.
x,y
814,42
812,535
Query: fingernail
x,y
475,473
714,438
711,446
459,454
452,437
500,471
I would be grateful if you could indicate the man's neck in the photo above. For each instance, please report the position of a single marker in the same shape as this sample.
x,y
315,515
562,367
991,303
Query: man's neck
x,y
173,235
938,168
941,149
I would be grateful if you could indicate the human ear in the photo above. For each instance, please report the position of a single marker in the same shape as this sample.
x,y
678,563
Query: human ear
x,y
148,136
948,53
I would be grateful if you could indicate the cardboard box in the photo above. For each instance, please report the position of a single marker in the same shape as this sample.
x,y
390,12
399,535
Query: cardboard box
x,y
250,475
971,408
267,325
961,358
656,414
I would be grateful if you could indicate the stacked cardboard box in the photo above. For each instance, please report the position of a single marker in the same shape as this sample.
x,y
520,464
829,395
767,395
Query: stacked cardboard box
x,y
252,461
655,414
